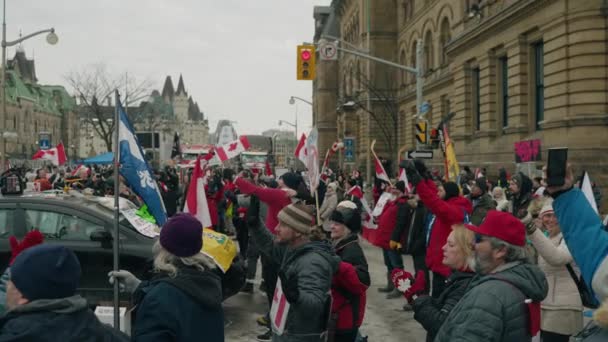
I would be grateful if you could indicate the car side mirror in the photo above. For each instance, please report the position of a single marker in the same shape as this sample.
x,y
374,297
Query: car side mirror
x,y
101,235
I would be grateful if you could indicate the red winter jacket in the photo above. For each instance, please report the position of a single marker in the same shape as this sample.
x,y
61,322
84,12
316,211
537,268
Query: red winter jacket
x,y
447,213
212,201
275,199
346,278
388,221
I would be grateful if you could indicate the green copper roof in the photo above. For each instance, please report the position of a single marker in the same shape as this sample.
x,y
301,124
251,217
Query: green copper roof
x,y
46,98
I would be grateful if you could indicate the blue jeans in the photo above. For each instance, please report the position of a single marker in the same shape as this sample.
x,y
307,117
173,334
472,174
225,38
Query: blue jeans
x,y
392,259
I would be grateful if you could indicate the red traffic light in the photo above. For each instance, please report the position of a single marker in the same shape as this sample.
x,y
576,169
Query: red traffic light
x,y
305,54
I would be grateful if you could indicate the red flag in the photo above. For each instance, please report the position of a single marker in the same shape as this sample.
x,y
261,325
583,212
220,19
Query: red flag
x,y
55,155
300,152
232,149
196,202
268,169
380,173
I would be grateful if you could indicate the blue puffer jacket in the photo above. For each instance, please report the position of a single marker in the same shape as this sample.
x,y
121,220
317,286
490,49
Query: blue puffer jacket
x,y
67,319
586,238
185,308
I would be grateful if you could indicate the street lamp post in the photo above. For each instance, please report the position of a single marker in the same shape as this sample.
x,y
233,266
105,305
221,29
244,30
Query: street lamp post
x,y
51,38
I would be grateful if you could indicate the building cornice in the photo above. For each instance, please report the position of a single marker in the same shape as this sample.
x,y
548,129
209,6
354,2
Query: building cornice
x,y
494,23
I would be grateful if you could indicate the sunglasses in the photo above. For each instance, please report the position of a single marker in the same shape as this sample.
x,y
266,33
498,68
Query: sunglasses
x,y
478,238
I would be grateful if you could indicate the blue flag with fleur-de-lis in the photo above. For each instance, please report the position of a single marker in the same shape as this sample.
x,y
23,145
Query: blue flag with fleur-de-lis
x,y
134,168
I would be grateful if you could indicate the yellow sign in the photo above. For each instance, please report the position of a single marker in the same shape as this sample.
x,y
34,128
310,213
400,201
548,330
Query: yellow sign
x,y
219,247
421,132
306,62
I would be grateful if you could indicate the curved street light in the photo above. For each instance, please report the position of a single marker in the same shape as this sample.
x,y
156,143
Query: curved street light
x,y
292,100
51,38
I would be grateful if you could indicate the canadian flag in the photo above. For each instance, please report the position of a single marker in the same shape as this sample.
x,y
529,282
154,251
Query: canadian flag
x,y
300,152
55,155
279,309
380,173
403,177
196,202
232,149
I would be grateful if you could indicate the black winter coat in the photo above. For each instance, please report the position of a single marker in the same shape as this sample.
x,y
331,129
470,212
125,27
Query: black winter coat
x,y
431,312
66,319
351,252
181,309
411,234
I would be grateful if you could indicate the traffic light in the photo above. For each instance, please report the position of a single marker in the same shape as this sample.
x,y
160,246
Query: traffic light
x,y
306,62
435,138
421,132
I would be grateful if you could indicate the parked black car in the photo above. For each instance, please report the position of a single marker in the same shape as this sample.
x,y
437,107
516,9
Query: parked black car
x,y
87,227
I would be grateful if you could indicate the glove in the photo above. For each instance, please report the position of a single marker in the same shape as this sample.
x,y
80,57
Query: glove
x,y
402,279
421,168
411,172
127,282
417,288
290,287
394,245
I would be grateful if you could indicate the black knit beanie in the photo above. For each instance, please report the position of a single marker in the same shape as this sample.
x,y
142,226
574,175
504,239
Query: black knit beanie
x,y
451,190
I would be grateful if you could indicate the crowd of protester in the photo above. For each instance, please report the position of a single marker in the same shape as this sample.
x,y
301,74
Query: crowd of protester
x,y
501,260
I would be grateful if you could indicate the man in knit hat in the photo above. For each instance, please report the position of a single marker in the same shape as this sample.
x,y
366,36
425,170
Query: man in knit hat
x,y
495,307
305,272
42,302
481,200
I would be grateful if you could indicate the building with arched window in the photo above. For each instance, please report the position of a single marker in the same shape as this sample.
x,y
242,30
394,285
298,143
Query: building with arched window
x,y
510,71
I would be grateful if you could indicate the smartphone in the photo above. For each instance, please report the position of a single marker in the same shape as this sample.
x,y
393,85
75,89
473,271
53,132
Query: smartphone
x,y
556,166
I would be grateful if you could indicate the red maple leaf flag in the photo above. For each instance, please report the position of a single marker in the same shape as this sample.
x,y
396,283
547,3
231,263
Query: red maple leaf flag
x,y
232,149
55,155
380,173
300,151
196,201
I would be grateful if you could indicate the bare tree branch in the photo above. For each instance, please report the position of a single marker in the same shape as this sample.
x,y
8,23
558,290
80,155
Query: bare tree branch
x,y
95,85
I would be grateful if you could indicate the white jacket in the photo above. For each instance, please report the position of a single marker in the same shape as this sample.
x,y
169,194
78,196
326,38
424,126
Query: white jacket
x,y
553,256
329,205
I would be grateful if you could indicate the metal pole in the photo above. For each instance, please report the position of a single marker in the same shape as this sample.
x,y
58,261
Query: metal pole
x,y
116,265
419,75
3,127
368,162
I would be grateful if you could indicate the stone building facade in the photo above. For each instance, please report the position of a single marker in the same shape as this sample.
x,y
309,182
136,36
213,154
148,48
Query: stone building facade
x,y
510,70
163,114
33,109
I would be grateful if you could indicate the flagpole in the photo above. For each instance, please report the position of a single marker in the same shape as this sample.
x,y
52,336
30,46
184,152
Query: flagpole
x,y
116,210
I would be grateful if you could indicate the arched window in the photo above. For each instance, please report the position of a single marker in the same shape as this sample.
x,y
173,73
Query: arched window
x,y
412,77
428,52
403,74
444,39
351,76
359,85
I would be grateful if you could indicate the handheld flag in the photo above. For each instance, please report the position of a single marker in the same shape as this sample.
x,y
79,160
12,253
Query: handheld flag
x,y
55,155
176,151
196,202
587,189
300,151
312,160
135,169
232,149
380,172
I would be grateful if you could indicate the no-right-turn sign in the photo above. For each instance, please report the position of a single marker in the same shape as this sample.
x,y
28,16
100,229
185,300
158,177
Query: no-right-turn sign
x,y
328,51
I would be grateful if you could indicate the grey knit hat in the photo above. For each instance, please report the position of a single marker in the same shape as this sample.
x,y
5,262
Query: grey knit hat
x,y
298,217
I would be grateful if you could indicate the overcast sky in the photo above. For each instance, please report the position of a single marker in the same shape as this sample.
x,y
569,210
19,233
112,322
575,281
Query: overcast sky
x,y
237,57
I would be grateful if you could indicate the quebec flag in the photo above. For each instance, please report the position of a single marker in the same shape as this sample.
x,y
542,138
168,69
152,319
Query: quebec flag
x,y
135,169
